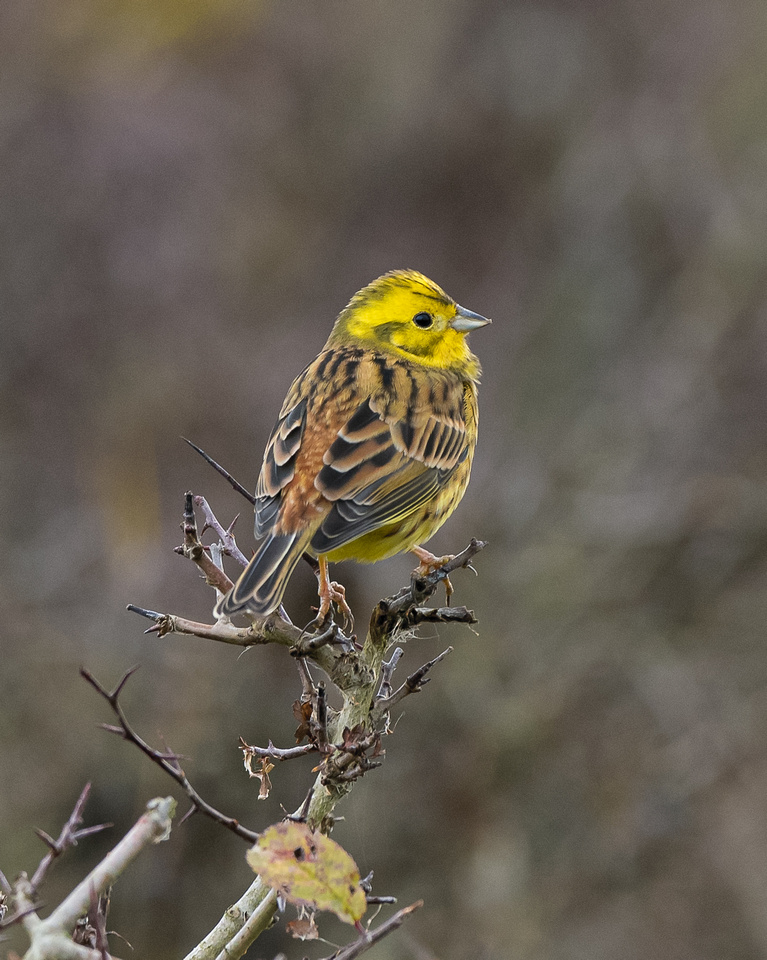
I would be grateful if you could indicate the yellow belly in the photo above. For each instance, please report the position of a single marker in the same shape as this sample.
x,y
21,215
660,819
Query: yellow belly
x,y
409,531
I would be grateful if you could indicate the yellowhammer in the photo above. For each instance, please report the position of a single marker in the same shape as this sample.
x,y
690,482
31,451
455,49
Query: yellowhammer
x,y
373,446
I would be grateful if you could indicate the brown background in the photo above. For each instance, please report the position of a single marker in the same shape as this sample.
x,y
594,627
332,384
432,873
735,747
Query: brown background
x,y
190,192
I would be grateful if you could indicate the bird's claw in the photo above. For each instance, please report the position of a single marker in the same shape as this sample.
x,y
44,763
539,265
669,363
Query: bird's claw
x,y
339,598
331,593
429,564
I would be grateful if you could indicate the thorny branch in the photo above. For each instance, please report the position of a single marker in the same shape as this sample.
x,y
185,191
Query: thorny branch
x,y
275,753
169,762
414,683
58,936
371,937
193,549
271,630
387,671
406,608
226,537
69,836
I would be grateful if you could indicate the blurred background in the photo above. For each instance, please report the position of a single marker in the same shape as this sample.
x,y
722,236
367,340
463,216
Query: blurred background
x,y
190,192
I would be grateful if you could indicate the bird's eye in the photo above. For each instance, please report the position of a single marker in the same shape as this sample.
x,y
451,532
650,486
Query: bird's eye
x,y
423,320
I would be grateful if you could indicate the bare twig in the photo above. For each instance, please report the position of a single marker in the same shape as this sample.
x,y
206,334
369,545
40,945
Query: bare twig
x,y
275,753
349,761
169,762
308,689
418,615
357,671
224,473
331,635
393,612
193,549
414,683
91,930
67,838
52,937
387,671
371,937
319,719
271,630
225,536
367,885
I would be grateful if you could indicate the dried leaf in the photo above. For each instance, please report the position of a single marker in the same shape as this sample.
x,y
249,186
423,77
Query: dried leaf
x,y
309,869
302,711
248,756
303,929
352,739
263,776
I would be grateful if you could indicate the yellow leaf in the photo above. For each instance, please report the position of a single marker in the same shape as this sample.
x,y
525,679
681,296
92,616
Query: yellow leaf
x,y
309,869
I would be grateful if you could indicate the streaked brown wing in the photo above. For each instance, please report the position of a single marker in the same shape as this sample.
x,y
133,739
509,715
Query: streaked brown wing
x,y
280,457
373,451
377,472
369,452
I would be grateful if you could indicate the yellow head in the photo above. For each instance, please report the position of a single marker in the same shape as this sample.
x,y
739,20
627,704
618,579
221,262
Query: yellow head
x,y
405,313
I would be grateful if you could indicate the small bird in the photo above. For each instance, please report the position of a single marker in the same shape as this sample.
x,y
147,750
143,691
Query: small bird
x,y
373,446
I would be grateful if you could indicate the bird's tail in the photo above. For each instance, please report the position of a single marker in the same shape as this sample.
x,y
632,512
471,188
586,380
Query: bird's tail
x,y
262,583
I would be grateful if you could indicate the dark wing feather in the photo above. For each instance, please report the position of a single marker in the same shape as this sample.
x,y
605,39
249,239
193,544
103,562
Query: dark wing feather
x,y
262,583
377,472
279,464
349,519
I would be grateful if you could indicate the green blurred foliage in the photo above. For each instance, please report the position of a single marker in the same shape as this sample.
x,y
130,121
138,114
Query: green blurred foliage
x,y
190,192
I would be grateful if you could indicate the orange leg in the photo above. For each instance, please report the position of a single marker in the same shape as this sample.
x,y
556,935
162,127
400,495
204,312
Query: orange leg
x,y
429,563
331,592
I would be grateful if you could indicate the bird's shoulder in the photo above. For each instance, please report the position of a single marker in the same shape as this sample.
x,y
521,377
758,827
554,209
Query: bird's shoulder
x,y
369,402
341,377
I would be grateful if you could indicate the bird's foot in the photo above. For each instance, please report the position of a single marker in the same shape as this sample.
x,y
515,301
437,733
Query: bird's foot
x,y
330,593
429,563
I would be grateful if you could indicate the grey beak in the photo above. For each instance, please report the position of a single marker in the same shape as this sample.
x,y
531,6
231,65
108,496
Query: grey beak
x,y
464,320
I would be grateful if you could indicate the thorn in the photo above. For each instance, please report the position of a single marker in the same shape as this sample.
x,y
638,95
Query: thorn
x,y
191,811
111,728
224,473
88,831
149,614
126,677
47,839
